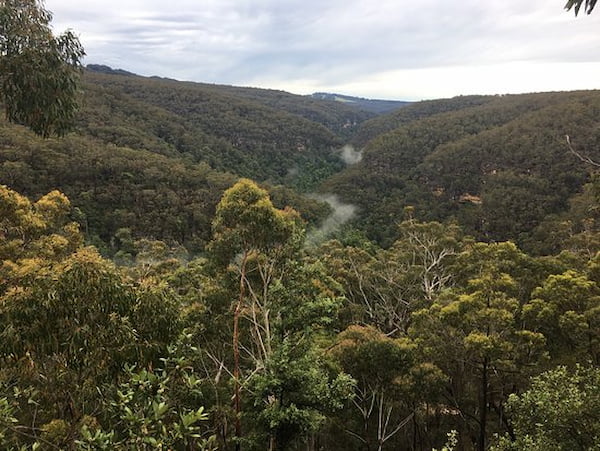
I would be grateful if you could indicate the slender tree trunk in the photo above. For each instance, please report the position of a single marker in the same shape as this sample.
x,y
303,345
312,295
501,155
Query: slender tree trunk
x,y
380,424
483,406
366,433
311,442
236,375
236,353
414,428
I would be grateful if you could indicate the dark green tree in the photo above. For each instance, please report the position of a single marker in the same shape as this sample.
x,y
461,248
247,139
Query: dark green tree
x,y
294,391
281,311
560,411
39,72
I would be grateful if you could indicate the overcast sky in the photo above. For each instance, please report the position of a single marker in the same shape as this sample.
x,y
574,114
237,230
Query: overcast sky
x,y
393,49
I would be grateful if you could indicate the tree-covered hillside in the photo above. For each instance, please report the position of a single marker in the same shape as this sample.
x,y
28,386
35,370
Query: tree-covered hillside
x,y
415,111
166,197
256,133
501,168
497,164
154,156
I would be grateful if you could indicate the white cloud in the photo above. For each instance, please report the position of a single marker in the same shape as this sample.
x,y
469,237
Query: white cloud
x,y
503,78
386,49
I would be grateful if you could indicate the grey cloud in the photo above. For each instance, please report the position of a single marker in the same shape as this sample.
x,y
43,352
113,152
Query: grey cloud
x,y
333,42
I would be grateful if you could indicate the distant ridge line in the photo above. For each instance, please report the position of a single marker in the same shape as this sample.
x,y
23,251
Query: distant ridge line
x,y
378,106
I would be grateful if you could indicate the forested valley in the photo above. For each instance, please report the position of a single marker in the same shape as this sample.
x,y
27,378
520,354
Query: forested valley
x,y
170,277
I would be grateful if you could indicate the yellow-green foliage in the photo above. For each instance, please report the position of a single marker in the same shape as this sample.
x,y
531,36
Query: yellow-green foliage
x,y
33,234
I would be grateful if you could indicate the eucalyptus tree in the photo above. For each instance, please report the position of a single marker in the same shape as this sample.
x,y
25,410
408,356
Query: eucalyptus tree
x,y
278,305
390,384
39,72
33,234
475,334
384,286
566,309
69,320
246,226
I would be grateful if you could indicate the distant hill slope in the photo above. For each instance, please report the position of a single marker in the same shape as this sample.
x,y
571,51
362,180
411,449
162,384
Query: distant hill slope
x,y
499,164
161,196
263,134
413,112
154,155
340,118
103,69
373,105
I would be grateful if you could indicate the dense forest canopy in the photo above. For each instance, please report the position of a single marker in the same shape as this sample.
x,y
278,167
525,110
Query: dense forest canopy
x,y
173,275
500,166
338,346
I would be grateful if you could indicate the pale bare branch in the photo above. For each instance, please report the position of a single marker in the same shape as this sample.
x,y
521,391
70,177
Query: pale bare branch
x,y
583,158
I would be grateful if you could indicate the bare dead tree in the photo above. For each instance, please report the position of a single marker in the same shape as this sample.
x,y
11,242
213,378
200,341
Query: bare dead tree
x,y
583,158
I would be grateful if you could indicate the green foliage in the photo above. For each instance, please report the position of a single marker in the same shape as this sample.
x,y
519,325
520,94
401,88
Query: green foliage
x,y
33,234
411,113
279,307
514,204
154,409
566,309
451,443
72,328
159,150
260,134
503,258
40,72
69,321
7,420
560,411
246,221
372,358
475,333
295,392
160,197
383,287
387,380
